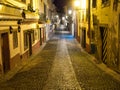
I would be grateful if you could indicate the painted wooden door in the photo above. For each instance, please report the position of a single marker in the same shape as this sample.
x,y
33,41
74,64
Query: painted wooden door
x,y
5,52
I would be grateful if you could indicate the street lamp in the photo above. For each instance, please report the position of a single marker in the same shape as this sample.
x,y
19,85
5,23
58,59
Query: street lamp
x,y
80,4
77,3
69,12
63,18
57,16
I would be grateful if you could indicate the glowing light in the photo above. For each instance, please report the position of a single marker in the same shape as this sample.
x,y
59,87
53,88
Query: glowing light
x,y
66,16
77,3
63,18
57,16
1,7
69,11
81,4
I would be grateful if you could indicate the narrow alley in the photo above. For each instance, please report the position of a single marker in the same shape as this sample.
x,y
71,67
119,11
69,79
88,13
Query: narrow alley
x,y
61,65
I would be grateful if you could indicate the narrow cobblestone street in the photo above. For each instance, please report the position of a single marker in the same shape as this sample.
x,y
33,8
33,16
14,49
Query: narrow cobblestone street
x,y
61,65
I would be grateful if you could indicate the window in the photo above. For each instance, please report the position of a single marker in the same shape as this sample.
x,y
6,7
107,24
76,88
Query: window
x,y
23,1
94,3
28,35
95,21
115,5
15,40
86,15
45,8
105,3
25,40
83,16
92,34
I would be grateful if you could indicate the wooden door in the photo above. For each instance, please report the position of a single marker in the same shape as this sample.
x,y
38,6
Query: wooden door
x,y
84,38
40,37
30,43
5,52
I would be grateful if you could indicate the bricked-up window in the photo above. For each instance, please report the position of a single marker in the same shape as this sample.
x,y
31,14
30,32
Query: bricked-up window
x,y
94,3
15,39
25,40
105,3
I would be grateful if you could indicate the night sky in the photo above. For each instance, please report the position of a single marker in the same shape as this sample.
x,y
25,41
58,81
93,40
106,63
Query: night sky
x,y
60,4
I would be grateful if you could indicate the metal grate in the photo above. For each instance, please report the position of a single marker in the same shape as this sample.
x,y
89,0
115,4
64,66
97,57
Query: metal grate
x,y
104,34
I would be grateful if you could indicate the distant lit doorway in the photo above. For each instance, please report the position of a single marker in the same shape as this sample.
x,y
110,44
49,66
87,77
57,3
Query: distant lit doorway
x,y
84,38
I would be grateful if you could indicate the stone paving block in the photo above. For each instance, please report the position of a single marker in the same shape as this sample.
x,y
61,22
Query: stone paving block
x,y
61,65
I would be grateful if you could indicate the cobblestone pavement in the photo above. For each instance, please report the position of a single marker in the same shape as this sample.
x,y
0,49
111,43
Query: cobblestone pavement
x,y
89,76
61,65
35,73
62,76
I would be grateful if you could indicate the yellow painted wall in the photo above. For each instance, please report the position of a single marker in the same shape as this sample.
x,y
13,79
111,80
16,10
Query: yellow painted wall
x,y
13,51
41,6
5,28
24,28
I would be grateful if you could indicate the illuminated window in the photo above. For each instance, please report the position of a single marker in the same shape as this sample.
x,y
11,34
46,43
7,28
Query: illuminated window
x,y
15,40
94,3
105,3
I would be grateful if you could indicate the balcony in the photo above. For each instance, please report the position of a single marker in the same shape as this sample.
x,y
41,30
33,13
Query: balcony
x,y
9,12
42,18
30,15
19,4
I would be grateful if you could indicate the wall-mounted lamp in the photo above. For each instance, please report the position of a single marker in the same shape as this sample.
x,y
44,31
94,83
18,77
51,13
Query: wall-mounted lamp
x,y
10,29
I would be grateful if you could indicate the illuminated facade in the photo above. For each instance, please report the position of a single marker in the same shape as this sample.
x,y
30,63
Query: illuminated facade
x,y
82,30
105,34
22,30
97,30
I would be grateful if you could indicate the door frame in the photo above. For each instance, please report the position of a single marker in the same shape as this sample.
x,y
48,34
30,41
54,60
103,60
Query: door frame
x,y
119,42
84,37
5,51
30,43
